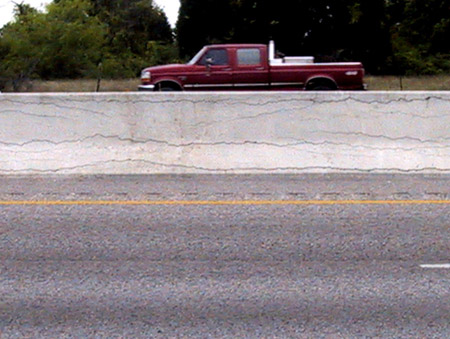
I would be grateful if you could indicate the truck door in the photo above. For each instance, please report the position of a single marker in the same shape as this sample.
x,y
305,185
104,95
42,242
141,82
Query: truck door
x,y
251,69
212,71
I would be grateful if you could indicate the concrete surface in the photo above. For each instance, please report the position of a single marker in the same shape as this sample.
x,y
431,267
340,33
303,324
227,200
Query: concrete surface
x,y
225,132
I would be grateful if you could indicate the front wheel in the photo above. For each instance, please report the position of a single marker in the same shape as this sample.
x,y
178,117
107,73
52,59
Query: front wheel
x,y
167,87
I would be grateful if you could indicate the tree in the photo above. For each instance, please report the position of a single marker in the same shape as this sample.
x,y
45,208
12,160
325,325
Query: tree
x,y
65,42
132,23
419,33
368,35
314,27
18,56
138,35
203,22
80,38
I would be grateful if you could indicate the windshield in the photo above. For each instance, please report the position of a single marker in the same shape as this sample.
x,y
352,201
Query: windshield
x,y
195,59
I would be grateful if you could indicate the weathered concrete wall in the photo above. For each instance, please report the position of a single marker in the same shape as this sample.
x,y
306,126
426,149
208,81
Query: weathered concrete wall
x,y
225,133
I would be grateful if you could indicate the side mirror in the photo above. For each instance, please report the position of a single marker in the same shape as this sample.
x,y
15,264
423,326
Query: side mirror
x,y
209,63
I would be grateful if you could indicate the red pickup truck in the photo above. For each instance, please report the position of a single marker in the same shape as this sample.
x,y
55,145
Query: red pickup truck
x,y
252,67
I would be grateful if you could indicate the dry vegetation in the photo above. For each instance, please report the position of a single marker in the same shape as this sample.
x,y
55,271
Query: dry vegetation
x,y
375,83
410,83
82,85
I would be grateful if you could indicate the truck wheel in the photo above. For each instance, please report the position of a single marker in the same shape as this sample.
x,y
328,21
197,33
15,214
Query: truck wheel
x,y
322,88
167,87
321,85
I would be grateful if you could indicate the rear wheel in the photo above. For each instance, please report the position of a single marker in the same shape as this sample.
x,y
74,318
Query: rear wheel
x,y
322,88
321,85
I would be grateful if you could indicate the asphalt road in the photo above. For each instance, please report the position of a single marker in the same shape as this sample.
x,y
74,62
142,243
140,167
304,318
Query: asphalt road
x,y
342,259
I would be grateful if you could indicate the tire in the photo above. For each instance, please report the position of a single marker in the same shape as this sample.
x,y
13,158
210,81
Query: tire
x,y
322,88
321,85
167,87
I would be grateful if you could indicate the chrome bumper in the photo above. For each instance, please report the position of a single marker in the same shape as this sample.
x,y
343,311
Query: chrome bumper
x,y
146,88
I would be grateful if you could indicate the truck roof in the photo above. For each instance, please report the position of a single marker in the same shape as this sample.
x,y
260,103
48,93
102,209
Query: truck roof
x,y
237,45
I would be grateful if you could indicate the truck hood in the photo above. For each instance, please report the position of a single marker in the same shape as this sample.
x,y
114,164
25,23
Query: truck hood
x,y
173,68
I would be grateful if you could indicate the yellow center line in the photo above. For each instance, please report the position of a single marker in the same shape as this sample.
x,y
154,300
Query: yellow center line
x,y
223,202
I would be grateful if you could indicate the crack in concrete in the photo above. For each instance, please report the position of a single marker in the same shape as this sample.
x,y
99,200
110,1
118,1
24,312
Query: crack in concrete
x,y
75,105
305,96
258,116
235,169
32,114
380,136
296,142
215,98
71,109
307,102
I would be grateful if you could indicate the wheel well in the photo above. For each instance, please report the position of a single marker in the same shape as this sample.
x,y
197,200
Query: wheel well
x,y
168,84
321,83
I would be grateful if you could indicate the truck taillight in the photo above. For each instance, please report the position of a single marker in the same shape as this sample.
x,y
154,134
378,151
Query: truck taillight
x,y
146,76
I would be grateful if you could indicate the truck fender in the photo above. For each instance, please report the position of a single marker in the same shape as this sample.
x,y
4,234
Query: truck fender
x,y
168,85
321,82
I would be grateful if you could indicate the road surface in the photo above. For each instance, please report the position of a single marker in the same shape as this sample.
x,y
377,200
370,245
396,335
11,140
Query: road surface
x,y
253,256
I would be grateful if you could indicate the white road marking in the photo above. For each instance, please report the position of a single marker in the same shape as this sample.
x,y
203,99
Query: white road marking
x,y
435,266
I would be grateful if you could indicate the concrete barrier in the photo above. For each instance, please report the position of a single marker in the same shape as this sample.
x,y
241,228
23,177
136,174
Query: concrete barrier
x,y
225,132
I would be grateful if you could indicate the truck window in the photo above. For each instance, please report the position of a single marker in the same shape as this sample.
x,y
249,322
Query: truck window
x,y
249,56
217,57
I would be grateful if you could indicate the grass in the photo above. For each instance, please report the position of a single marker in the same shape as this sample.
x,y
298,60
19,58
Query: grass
x,y
410,83
83,85
375,83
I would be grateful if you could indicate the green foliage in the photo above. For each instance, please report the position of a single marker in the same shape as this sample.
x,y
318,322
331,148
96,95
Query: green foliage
x,y
138,35
203,22
127,65
367,35
420,33
84,38
20,46
327,29
63,43
117,38
388,36
75,40
132,23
